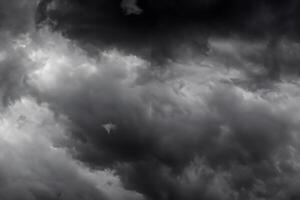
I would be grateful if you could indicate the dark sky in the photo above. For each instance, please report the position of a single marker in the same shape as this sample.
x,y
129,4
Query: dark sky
x,y
149,100
160,27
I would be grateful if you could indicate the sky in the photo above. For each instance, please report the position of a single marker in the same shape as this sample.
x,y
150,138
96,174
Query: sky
x,y
149,100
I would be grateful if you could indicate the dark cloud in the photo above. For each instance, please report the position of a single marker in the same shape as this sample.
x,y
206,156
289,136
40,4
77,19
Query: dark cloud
x,y
185,132
17,16
16,24
33,166
238,141
207,125
160,30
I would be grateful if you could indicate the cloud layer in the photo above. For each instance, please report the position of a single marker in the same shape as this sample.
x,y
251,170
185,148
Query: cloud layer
x,y
183,132
158,30
149,100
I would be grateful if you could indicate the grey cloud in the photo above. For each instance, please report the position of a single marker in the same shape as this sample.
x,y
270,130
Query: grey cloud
x,y
168,121
187,130
32,167
16,25
17,16
261,60
130,7
14,66
33,164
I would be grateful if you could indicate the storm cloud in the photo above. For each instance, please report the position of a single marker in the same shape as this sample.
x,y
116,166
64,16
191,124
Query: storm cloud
x,y
160,30
182,132
149,100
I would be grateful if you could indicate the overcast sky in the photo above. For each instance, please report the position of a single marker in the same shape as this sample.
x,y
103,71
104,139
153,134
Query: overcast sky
x,y
149,100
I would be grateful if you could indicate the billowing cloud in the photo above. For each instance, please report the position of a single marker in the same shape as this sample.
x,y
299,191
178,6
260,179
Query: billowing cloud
x,y
34,163
191,130
33,166
130,7
155,100
166,29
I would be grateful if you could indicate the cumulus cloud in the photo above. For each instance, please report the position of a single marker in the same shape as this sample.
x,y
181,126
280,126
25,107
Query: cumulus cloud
x,y
191,130
34,162
149,100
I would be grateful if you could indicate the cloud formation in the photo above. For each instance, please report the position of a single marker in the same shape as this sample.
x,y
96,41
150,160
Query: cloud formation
x,y
32,167
155,100
193,130
130,7
34,162
167,28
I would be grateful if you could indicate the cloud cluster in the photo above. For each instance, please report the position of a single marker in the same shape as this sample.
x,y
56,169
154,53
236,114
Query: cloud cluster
x,y
193,130
33,166
34,162
155,100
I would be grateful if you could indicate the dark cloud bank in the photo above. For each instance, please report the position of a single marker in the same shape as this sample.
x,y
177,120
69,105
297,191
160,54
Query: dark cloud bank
x,y
180,100
160,30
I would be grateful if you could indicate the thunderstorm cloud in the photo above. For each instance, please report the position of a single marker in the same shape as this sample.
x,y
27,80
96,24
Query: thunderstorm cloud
x,y
149,100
